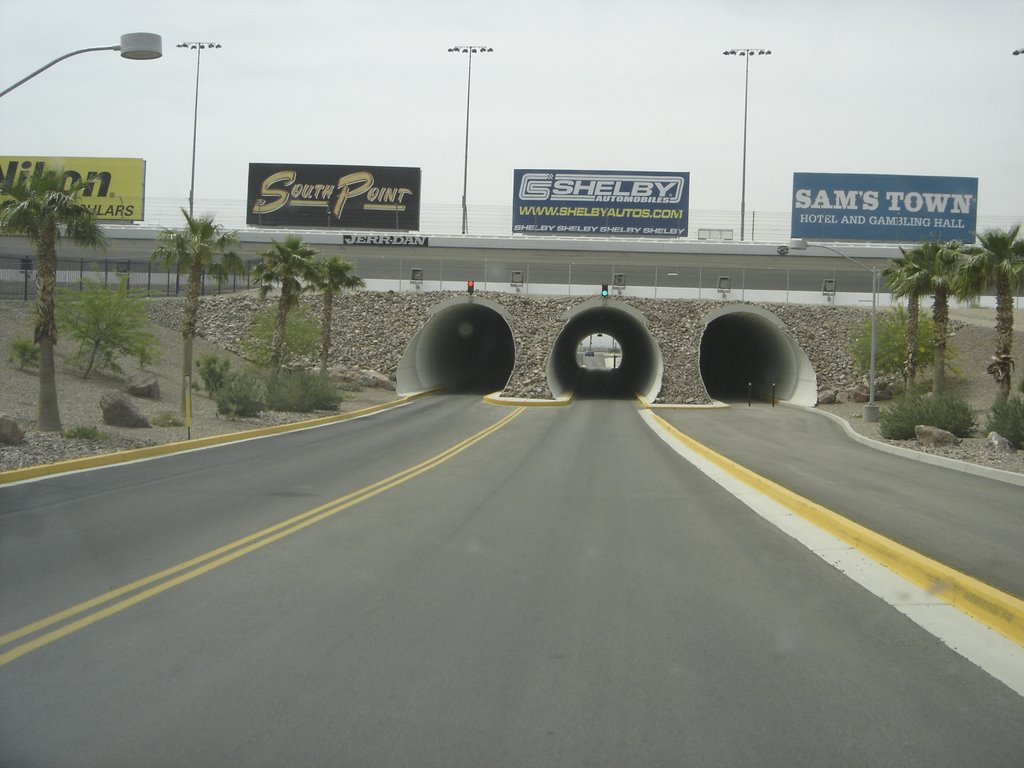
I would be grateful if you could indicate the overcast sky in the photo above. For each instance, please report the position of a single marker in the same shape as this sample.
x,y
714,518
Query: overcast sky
x,y
921,87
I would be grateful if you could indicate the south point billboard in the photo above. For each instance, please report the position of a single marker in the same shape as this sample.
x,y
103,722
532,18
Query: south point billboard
x,y
601,203
114,187
344,196
884,208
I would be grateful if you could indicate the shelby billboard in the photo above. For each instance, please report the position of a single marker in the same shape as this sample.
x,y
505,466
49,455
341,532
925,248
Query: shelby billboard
x,y
115,187
628,203
882,208
342,196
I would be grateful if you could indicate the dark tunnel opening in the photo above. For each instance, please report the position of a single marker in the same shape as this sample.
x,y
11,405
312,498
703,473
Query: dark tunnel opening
x,y
745,353
639,369
465,347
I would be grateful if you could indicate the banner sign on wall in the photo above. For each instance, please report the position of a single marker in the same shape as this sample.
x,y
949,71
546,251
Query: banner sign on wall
x,y
115,187
884,208
342,196
627,203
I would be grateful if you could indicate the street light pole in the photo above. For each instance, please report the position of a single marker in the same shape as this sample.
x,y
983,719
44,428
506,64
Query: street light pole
x,y
871,409
198,48
139,46
469,49
747,53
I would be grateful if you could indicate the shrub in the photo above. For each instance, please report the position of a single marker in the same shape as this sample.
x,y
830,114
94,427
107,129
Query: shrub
x,y
241,395
213,370
302,392
24,352
1007,418
166,419
301,337
946,411
891,343
84,433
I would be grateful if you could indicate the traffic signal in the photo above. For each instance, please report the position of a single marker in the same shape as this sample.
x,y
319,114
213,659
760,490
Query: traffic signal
x,y
604,291
469,286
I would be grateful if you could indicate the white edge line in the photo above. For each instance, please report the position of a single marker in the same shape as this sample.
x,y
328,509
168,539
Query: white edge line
x,y
997,655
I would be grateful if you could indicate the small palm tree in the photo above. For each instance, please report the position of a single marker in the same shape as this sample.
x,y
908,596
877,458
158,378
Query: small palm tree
x,y
997,263
329,277
939,263
44,208
906,280
199,247
285,264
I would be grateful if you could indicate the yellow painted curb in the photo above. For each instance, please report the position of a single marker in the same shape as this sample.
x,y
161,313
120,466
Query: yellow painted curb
x,y
495,398
999,610
165,449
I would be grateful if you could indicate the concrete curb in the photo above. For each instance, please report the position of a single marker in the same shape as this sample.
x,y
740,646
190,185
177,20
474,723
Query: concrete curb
x,y
166,449
999,610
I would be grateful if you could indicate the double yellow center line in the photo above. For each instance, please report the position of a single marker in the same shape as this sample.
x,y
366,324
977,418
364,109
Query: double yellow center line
x,y
117,600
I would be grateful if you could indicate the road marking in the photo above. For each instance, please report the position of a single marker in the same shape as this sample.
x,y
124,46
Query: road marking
x,y
975,620
169,578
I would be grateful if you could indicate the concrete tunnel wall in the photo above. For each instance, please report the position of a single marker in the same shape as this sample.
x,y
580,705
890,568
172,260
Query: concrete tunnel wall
x,y
745,346
466,345
640,370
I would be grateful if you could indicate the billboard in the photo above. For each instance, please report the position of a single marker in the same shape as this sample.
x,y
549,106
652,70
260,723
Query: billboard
x,y
884,208
115,187
342,196
626,203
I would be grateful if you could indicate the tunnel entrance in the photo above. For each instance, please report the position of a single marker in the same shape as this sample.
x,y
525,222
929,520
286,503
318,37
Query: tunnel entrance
x,y
638,368
745,351
466,346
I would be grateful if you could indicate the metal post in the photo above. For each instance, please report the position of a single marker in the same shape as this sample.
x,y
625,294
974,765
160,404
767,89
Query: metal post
x,y
198,48
468,49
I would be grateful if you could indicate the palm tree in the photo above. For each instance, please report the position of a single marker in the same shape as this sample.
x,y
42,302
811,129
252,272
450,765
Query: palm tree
x,y
199,247
44,208
330,276
998,263
938,264
906,280
285,264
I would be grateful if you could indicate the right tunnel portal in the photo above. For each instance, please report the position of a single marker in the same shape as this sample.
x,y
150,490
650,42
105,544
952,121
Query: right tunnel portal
x,y
745,351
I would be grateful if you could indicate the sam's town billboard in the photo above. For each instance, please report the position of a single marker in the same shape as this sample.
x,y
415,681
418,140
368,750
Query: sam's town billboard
x,y
115,187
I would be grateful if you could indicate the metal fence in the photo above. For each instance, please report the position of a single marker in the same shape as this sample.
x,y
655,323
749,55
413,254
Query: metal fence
x,y
17,277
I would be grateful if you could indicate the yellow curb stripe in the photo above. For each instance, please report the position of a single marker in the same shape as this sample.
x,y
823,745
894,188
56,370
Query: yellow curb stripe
x,y
496,398
224,555
999,610
166,449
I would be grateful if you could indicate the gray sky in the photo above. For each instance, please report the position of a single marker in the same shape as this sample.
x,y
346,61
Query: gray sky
x,y
922,87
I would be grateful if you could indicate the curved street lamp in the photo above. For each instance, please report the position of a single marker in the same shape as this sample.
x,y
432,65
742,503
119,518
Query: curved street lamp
x,y
746,53
470,49
139,46
198,48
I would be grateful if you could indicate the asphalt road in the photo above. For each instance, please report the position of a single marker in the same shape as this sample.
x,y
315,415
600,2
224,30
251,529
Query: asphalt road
x,y
563,591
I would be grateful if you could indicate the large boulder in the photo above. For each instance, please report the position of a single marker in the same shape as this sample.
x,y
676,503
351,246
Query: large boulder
x,y
10,432
998,443
120,411
143,385
934,436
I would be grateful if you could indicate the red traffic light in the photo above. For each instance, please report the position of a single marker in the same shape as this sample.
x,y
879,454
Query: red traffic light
x,y
470,285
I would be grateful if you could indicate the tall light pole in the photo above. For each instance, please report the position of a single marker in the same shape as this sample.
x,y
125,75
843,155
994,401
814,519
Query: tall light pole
x,y
138,46
746,53
469,49
871,409
198,48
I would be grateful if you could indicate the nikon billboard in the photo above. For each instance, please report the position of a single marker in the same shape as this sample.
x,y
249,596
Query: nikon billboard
x,y
342,196
114,187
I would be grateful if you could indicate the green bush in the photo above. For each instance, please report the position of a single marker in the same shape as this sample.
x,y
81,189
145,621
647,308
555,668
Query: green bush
x,y
946,411
1007,418
302,392
241,395
213,370
301,337
166,419
84,433
24,352
891,343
